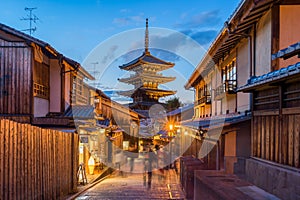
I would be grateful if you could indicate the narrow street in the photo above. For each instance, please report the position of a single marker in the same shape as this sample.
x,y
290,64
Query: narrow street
x,y
130,186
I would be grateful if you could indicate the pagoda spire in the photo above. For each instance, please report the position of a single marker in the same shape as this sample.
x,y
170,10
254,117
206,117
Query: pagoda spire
x,y
146,37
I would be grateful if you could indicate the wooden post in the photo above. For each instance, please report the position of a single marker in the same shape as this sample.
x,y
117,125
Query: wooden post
x,y
297,141
291,140
6,160
272,143
2,169
277,137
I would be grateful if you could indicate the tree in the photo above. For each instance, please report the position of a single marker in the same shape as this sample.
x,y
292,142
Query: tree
x,y
173,104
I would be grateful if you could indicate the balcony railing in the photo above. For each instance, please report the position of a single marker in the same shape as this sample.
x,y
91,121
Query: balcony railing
x,y
229,86
40,90
204,99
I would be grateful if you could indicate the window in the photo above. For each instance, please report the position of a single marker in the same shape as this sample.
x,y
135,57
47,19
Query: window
x,y
201,92
229,77
229,72
208,89
79,96
41,80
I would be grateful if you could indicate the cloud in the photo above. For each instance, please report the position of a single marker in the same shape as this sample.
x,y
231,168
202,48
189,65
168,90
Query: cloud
x,y
113,94
203,37
207,18
121,21
110,54
129,20
124,10
165,55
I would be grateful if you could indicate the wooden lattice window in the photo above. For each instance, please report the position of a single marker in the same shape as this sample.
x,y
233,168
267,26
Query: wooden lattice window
x,y
41,80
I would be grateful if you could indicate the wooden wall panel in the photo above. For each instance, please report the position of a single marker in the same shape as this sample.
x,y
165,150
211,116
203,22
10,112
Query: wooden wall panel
x,y
15,78
36,163
277,140
297,141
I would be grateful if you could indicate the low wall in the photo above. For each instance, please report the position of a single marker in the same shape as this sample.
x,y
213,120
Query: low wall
x,y
277,179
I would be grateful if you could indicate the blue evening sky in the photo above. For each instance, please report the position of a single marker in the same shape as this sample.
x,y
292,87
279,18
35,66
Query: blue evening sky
x,y
77,28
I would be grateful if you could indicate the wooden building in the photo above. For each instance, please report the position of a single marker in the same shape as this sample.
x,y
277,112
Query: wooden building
x,y
37,82
242,49
262,149
275,138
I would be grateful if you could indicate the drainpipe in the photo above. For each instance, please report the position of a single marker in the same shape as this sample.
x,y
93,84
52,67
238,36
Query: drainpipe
x,y
62,83
228,27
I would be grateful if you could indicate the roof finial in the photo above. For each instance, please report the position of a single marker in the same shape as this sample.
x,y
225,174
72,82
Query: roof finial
x,y
146,37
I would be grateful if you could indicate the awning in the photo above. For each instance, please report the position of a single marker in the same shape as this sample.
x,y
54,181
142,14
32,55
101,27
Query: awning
x,y
271,77
288,52
118,130
216,121
90,129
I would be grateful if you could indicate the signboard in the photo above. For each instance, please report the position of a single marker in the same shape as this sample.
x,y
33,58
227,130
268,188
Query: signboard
x,y
81,149
125,145
84,139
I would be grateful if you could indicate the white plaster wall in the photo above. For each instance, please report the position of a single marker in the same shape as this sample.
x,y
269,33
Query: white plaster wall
x,y
243,74
55,86
289,31
229,103
41,107
263,45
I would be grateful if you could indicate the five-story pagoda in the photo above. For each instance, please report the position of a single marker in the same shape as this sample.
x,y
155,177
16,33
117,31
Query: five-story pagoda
x,y
146,79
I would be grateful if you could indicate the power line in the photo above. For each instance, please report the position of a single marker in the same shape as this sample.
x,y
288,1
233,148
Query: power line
x,y
32,18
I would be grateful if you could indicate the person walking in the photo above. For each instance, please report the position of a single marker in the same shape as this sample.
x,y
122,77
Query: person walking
x,y
152,158
118,160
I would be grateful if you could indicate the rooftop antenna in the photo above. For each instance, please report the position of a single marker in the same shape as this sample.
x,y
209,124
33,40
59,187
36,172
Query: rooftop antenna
x,y
32,18
146,37
95,72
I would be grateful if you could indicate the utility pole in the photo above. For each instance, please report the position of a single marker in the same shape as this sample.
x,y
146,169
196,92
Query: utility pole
x,y
31,18
95,72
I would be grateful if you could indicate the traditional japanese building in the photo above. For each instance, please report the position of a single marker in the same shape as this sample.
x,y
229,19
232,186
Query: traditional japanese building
x,y
146,79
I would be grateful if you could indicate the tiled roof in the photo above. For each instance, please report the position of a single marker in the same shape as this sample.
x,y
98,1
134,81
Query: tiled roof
x,y
80,111
22,35
104,122
217,121
288,52
43,44
146,57
180,110
144,113
272,76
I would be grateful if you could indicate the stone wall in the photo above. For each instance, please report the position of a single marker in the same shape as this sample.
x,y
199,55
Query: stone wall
x,y
281,181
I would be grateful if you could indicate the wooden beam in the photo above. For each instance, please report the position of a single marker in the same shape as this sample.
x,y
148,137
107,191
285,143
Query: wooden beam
x,y
275,27
291,111
265,112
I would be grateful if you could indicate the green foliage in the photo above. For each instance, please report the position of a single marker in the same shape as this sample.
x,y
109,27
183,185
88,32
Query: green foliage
x,y
173,104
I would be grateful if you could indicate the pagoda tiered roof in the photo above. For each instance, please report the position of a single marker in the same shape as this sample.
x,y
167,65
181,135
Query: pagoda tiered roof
x,y
148,91
147,77
147,58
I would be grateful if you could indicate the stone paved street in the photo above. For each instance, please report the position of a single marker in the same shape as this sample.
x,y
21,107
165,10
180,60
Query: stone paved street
x,y
130,186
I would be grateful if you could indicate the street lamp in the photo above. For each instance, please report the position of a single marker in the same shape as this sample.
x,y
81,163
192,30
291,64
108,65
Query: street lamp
x,y
171,127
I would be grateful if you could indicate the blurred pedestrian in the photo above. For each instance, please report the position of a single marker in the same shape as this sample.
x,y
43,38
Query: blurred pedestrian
x,y
152,159
118,160
161,157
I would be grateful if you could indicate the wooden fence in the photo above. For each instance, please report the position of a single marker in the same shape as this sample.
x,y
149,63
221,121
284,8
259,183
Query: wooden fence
x,y
277,140
36,163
